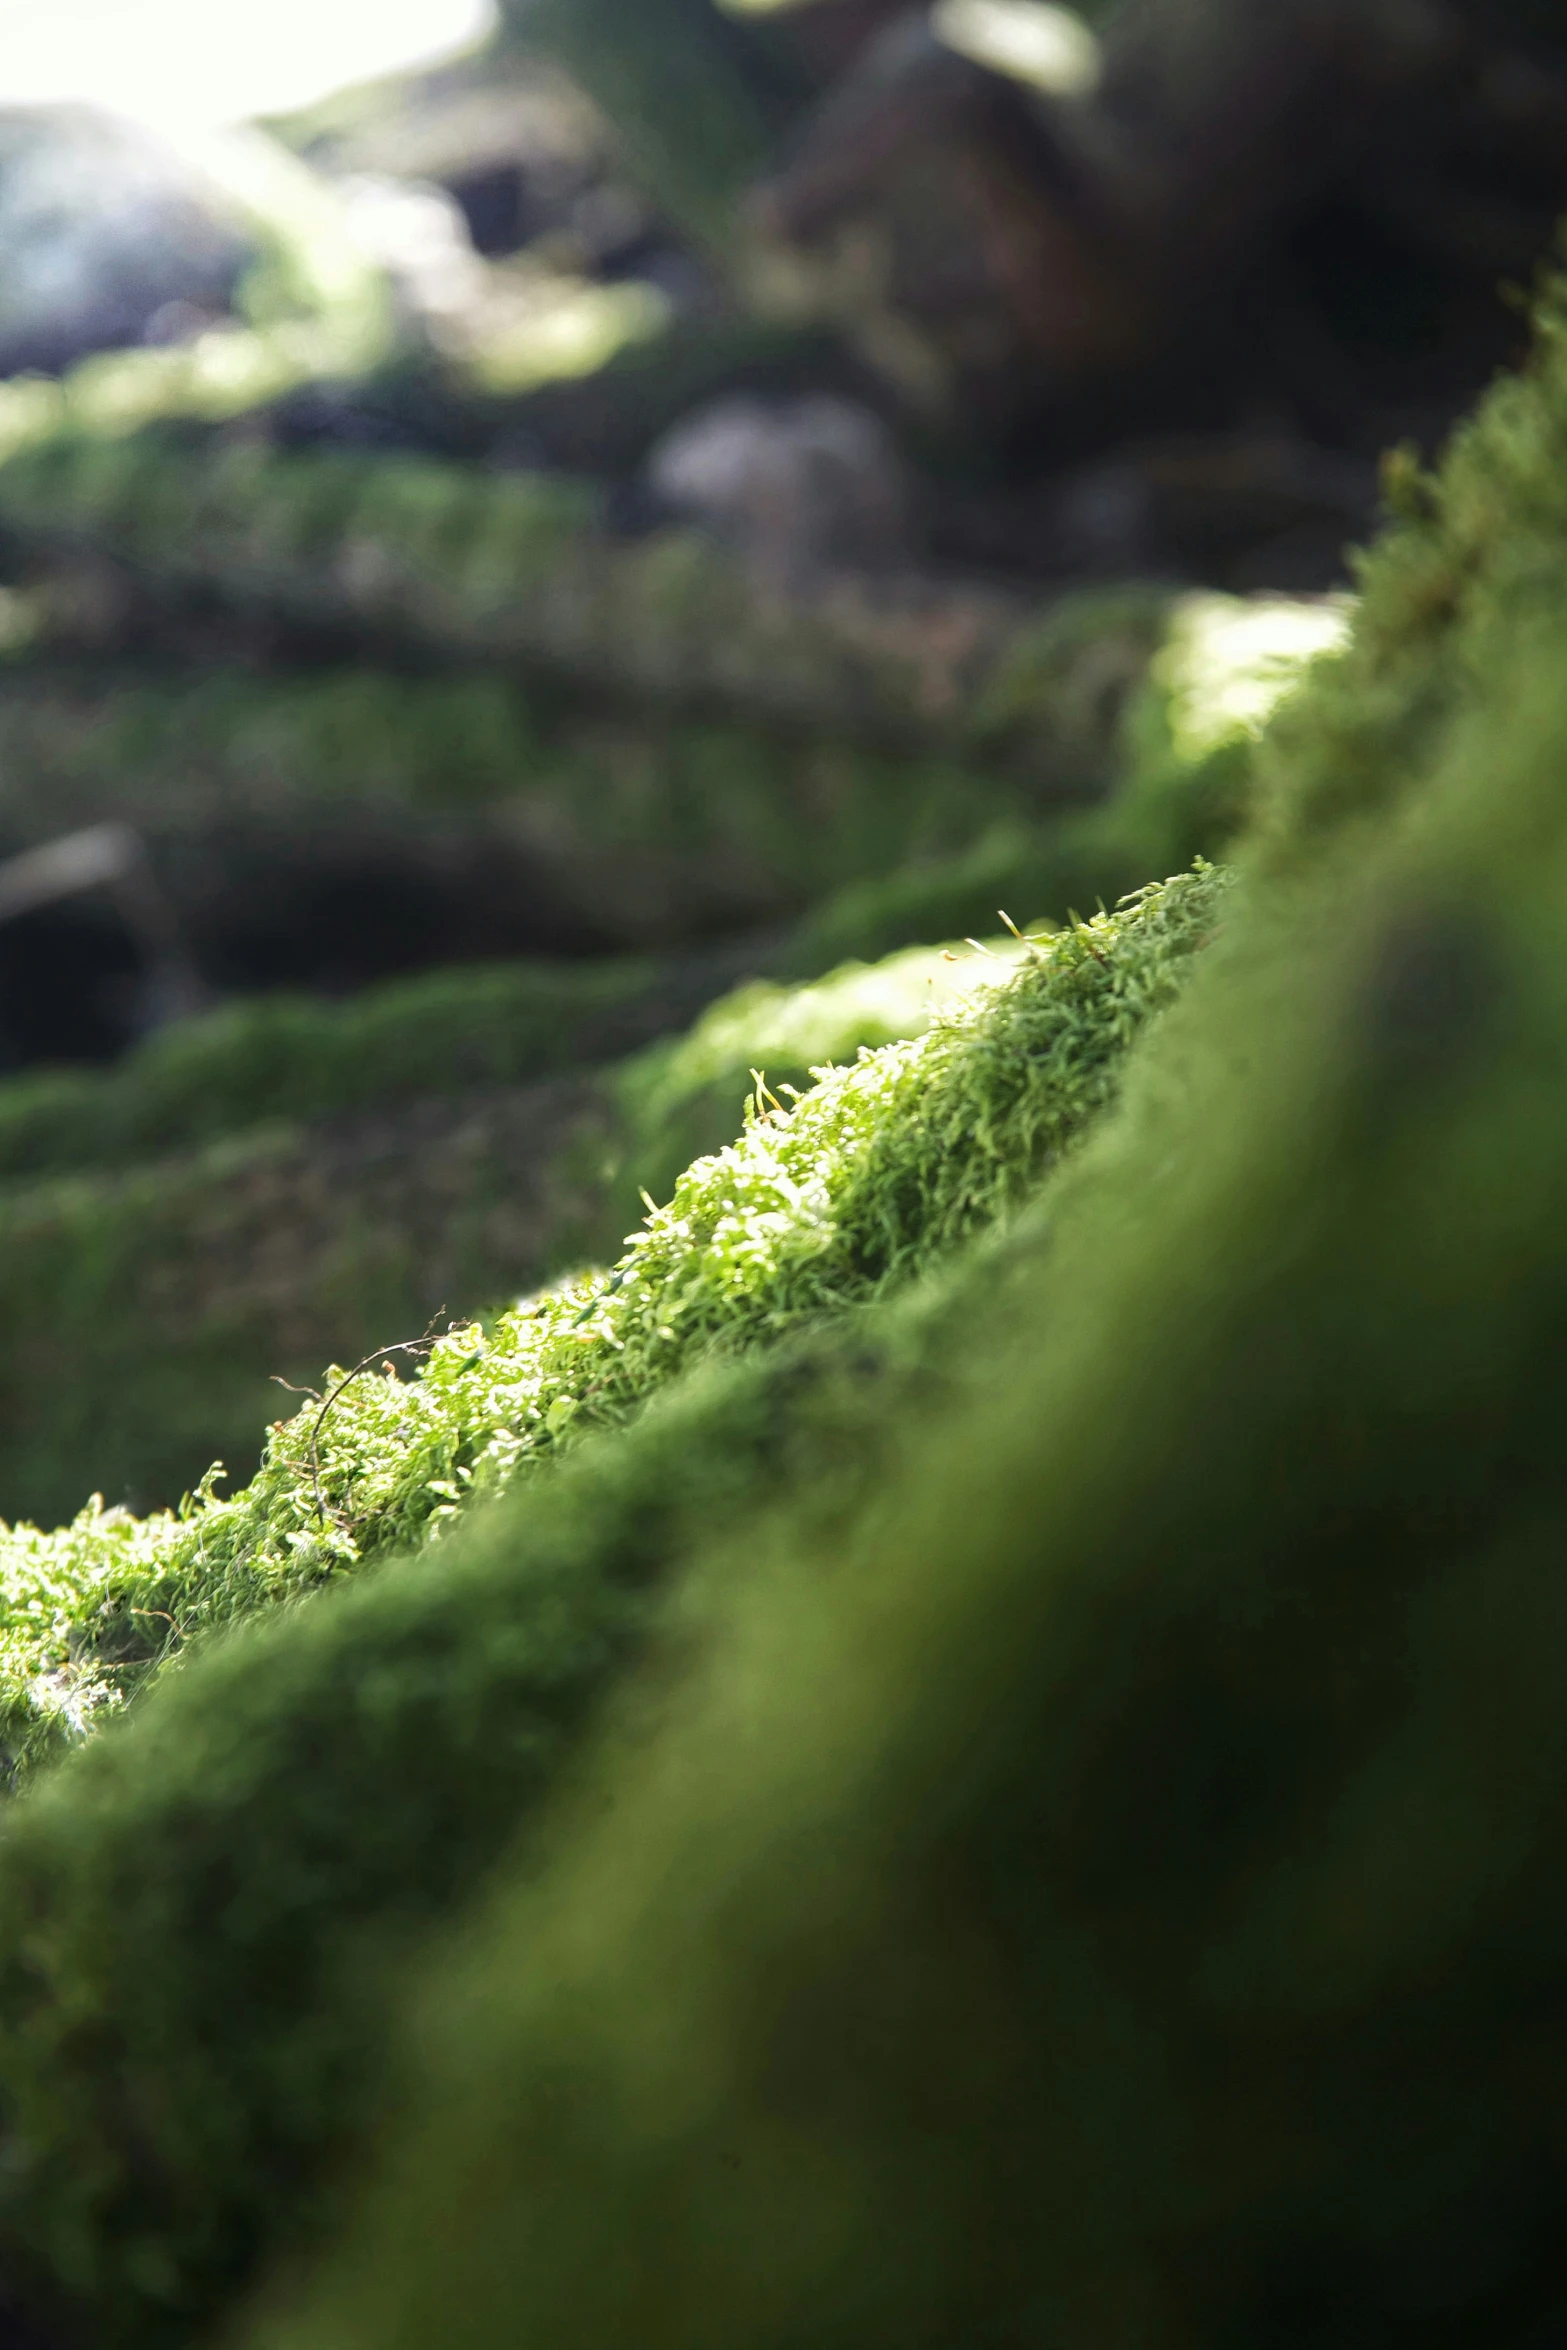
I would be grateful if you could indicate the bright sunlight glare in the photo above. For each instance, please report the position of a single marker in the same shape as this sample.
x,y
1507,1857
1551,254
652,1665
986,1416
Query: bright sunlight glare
x,y
195,65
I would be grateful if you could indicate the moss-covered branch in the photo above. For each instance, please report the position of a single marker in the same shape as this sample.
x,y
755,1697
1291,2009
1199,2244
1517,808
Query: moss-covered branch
x,y
877,1175
509,821
518,825
522,574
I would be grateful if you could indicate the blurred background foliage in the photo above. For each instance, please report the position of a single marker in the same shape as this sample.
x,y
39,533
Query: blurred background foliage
x,y
640,641
500,550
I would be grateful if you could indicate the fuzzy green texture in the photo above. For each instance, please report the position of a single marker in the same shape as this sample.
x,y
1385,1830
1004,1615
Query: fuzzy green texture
x,y
1471,552
1188,737
330,1786
488,1664
632,829
457,1031
1083,1863
146,1305
879,1168
521,573
1110,1888
277,1183
464,1033
146,1308
634,832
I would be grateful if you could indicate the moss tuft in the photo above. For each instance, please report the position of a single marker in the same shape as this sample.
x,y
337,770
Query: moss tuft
x,y
877,1170
1108,1885
1468,556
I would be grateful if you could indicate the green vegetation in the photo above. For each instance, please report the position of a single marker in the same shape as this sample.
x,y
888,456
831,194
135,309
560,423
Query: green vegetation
x,y
270,1186
321,1793
632,831
521,574
1107,1883
1210,1994
457,1031
1055,1746
501,569
1202,1451
1472,553
878,1169
146,1306
613,829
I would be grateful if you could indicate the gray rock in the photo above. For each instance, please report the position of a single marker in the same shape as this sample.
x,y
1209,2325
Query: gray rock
x,y
107,238
798,485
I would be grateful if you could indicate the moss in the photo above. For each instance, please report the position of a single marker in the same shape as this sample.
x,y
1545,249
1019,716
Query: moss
x,y
1187,717
1082,1859
1106,1879
146,1309
1466,558
520,572
289,1057
541,824
1110,1886
879,1169
147,1306
332,1785
877,1176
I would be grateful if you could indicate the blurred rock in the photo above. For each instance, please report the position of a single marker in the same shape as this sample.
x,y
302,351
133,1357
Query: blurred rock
x,y
515,146
418,234
107,238
797,485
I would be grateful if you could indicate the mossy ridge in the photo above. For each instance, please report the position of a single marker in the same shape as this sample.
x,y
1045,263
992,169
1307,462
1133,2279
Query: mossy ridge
x,y
877,1170
1115,1881
515,824
521,573
625,835
329,1786
504,569
293,1057
1289,1126
146,1306
1469,552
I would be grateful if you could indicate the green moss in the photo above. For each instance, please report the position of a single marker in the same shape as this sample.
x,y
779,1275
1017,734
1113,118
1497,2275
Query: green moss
x,y
878,1174
463,1032
880,1168
1082,1859
640,832
459,1031
146,1306
1190,708
145,1309
1107,1883
1468,556
1109,1887
330,1786
520,572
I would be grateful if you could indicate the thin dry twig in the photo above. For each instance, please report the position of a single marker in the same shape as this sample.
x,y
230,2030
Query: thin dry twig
x,y
378,1354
